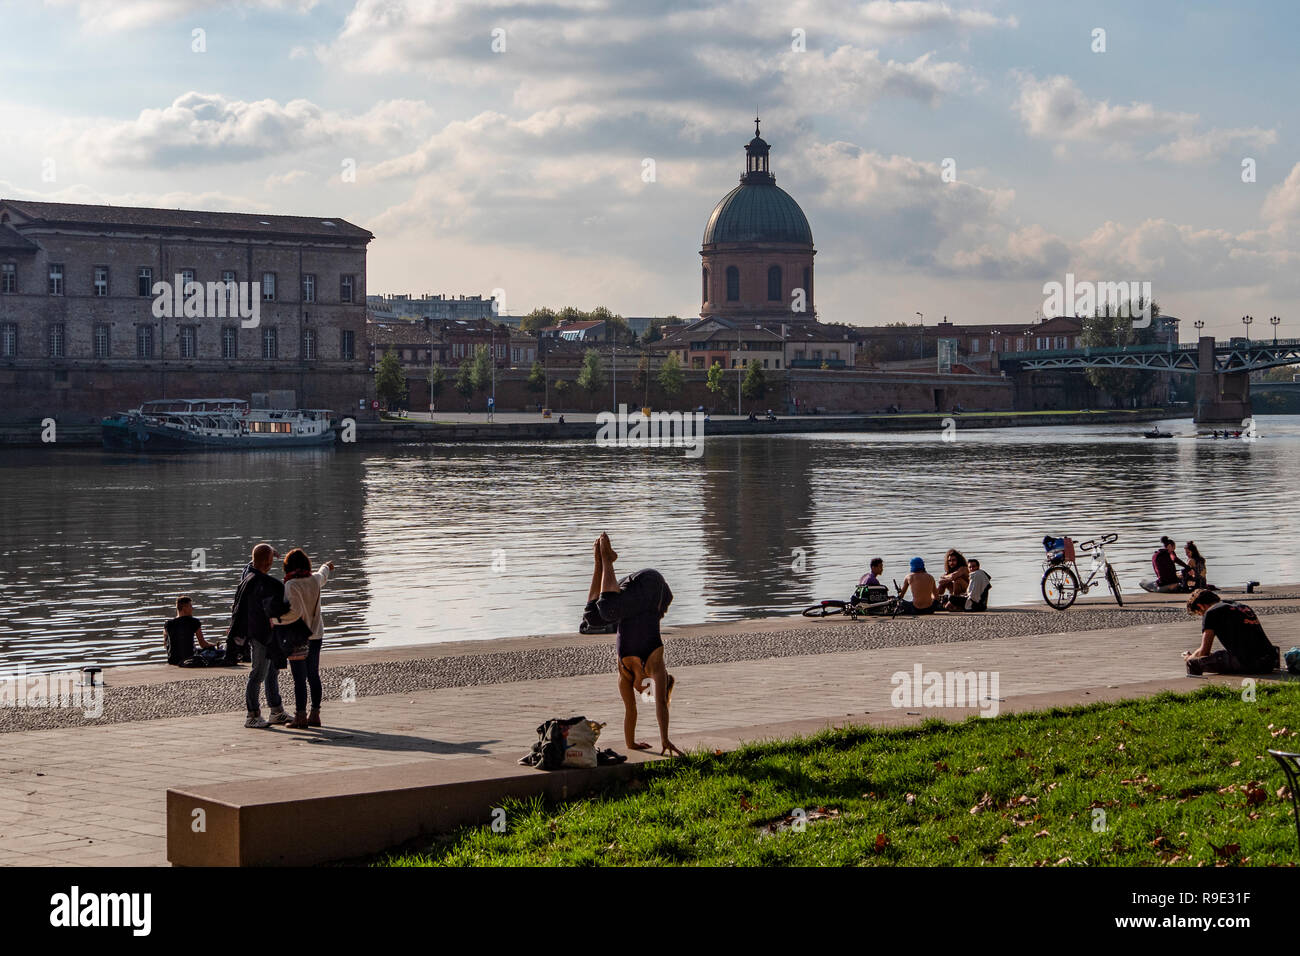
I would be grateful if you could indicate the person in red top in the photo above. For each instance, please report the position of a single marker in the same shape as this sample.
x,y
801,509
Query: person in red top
x,y
1164,562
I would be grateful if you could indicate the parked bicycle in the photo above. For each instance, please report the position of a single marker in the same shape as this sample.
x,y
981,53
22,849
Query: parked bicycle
x,y
867,600
1061,578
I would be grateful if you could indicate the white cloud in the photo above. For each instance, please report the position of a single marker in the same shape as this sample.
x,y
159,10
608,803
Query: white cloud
x,y
1055,109
1203,147
115,15
209,128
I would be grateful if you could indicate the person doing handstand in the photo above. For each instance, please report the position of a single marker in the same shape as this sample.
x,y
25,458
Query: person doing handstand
x,y
637,603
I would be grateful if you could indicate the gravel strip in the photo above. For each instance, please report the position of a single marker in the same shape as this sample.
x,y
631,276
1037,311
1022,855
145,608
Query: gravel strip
x,y
220,695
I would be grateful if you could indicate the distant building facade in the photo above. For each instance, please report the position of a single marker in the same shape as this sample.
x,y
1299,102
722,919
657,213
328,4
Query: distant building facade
x,y
435,306
81,335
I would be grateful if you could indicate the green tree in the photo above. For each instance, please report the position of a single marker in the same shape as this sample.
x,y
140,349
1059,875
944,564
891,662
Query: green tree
x,y
561,391
537,319
390,381
570,314
592,377
465,379
481,369
437,380
715,383
537,378
755,383
1104,329
671,377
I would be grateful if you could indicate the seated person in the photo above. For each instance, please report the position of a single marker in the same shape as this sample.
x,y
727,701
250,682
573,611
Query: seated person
x,y
924,596
955,577
872,577
976,595
180,633
1163,563
1193,573
1246,648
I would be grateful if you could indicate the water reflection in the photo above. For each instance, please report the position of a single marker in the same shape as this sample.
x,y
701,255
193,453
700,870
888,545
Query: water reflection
x,y
439,543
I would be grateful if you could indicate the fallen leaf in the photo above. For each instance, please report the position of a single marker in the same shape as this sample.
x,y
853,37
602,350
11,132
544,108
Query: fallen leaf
x,y
744,805
952,838
985,803
910,798
1228,849
1041,833
882,841
1255,795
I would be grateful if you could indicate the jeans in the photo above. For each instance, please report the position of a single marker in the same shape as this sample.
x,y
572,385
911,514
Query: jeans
x,y
307,672
262,673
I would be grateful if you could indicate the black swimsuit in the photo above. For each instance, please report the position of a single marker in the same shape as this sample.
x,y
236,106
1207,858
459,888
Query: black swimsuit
x,y
637,606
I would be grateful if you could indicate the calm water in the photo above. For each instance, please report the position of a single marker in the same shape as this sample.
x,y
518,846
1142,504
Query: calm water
x,y
96,545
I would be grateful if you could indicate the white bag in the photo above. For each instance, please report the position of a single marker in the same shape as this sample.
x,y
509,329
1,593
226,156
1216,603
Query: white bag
x,y
580,743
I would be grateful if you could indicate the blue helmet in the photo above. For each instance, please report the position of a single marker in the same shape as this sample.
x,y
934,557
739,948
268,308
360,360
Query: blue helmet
x,y
918,564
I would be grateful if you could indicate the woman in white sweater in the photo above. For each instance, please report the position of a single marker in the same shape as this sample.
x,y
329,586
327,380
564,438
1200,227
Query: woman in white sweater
x,y
302,590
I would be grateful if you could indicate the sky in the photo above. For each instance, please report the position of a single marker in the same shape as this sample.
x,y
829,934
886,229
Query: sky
x,y
951,157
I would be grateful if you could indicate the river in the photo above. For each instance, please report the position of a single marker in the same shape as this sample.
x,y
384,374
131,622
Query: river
x,y
454,542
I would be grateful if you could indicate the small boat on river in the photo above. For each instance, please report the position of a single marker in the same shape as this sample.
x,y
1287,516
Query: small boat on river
x,y
202,424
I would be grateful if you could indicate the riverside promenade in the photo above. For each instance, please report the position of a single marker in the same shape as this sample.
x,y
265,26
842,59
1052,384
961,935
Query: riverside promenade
x,y
86,792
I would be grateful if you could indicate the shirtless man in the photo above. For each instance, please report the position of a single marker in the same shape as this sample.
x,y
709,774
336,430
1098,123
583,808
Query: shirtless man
x,y
637,604
924,590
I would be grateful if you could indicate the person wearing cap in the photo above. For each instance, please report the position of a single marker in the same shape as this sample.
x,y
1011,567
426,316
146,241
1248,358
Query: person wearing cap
x,y
924,592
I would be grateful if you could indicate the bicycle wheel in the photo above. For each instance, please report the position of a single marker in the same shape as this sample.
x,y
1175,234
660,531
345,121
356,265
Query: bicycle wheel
x,y
824,609
1060,587
1113,580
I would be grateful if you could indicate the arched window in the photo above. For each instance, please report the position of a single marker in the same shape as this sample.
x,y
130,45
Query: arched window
x,y
704,296
733,284
774,284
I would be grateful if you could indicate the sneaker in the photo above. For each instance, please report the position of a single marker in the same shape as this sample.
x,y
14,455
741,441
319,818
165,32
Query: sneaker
x,y
278,716
257,722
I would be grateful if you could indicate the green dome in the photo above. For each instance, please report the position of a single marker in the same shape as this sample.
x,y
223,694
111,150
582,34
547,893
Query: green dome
x,y
758,212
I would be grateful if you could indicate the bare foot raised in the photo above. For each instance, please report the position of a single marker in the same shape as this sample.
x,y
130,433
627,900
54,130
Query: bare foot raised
x,y
607,548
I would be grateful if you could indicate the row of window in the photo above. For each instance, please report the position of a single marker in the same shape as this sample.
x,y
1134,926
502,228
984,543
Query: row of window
x,y
1040,342
774,283
144,280
188,338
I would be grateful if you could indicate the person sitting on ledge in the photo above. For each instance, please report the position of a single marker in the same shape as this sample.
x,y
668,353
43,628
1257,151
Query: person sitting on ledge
x,y
180,633
924,594
1163,562
637,603
976,595
955,578
1193,573
1246,648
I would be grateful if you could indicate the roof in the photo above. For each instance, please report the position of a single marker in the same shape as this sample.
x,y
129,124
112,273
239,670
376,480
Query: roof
x,y
397,333
574,326
187,220
13,241
758,212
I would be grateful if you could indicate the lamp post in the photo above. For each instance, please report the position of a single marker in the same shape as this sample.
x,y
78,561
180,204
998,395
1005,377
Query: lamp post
x,y
1199,325
1274,322
1246,320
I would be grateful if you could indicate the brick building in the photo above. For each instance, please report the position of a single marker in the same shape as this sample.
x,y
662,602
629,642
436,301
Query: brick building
x,y
82,334
757,252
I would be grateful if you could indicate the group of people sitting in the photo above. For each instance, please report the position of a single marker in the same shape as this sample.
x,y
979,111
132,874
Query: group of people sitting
x,y
963,586
1167,564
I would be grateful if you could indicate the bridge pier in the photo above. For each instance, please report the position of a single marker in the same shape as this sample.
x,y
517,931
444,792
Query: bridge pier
x,y
1222,398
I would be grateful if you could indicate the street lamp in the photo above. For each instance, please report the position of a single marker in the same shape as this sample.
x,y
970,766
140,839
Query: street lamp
x,y
1200,324
1274,322
1246,320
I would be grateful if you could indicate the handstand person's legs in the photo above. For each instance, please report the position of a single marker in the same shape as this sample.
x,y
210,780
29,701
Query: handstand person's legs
x,y
658,672
627,691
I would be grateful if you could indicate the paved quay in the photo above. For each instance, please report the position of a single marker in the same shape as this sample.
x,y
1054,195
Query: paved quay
x,y
94,794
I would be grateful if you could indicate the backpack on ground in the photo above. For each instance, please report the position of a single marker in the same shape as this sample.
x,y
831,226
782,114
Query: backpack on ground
x,y
564,743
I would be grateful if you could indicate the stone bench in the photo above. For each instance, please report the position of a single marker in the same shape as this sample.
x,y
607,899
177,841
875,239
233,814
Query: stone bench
x,y
307,819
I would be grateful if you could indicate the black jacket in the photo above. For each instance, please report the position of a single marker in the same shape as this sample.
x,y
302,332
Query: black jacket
x,y
248,618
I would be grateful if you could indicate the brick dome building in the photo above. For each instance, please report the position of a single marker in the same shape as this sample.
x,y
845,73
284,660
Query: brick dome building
x,y
758,250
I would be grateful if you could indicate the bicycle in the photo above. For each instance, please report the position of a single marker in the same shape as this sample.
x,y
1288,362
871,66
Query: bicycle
x,y
855,608
1061,584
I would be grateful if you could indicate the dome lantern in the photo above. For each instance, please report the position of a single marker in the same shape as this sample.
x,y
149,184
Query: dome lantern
x,y
756,159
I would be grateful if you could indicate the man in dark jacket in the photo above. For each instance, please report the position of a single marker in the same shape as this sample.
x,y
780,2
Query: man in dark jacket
x,y
250,621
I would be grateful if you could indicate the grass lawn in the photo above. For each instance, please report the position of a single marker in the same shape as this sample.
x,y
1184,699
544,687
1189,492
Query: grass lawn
x,y
1170,780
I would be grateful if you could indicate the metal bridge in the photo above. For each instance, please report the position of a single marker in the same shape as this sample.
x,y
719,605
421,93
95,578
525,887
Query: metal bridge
x,y
1239,355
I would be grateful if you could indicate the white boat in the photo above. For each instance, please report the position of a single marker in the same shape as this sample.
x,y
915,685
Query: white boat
x,y
192,424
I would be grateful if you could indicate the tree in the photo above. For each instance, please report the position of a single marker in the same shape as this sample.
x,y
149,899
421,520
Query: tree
x,y
537,319
481,369
671,377
437,379
1104,329
465,379
390,381
592,377
570,314
715,383
561,390
537,378
755,383
642,379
